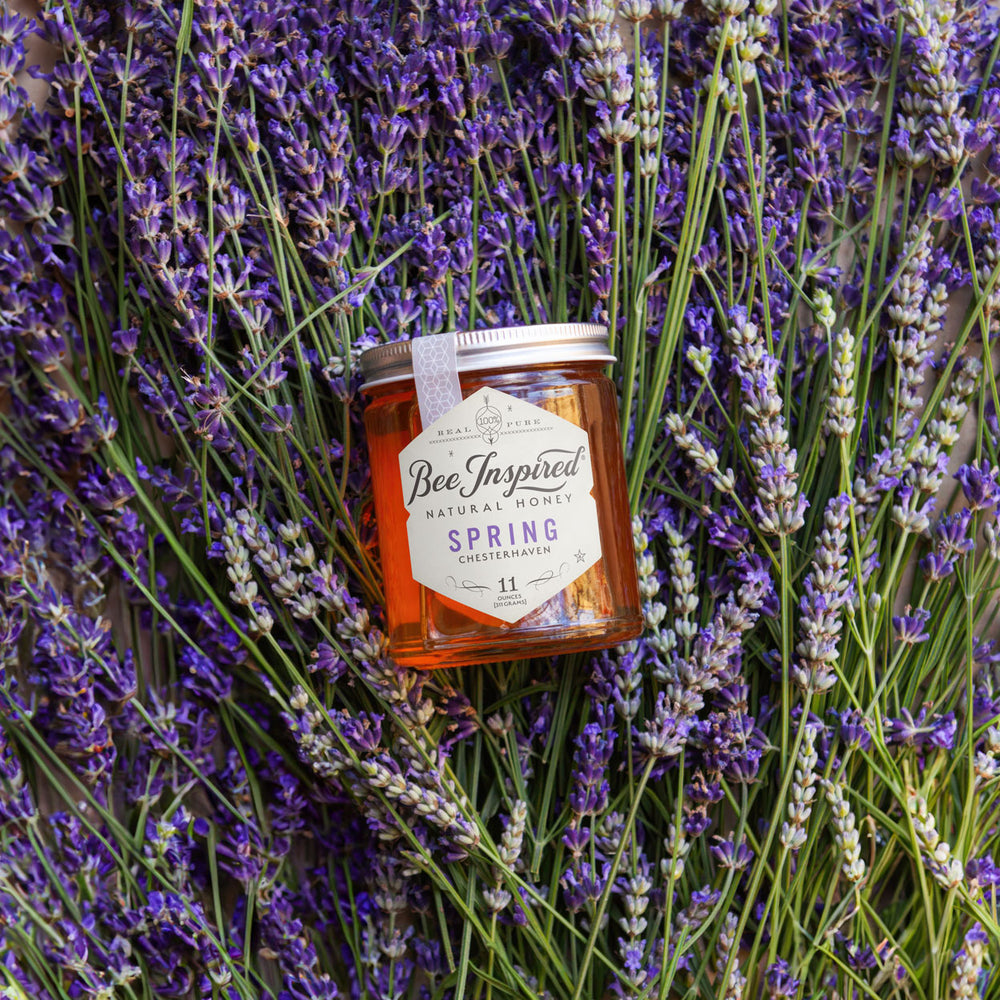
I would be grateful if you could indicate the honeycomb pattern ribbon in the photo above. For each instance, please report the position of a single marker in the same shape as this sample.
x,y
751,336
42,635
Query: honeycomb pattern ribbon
x,y
435,373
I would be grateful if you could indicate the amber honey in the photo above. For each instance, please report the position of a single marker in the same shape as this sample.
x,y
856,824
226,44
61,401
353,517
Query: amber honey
x,y
515,501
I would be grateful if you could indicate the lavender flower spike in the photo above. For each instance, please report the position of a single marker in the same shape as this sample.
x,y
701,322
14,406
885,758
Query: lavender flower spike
x,y
779,506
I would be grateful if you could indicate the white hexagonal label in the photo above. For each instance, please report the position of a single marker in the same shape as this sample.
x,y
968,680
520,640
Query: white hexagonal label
x,y
500,513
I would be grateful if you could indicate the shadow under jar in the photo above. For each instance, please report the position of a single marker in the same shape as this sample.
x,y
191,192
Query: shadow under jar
x,y
504,530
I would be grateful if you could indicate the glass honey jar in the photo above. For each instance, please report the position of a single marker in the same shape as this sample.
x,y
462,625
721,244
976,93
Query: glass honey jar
x,y
500,495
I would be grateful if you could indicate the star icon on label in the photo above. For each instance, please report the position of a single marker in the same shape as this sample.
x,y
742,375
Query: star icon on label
x,y
451,454
580,555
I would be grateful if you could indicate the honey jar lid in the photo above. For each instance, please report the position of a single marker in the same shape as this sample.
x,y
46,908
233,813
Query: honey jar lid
x,y
501,347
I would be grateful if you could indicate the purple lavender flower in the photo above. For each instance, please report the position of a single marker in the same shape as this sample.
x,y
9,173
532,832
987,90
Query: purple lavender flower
x,y
908,628
594,747
780,982
980,485
938,731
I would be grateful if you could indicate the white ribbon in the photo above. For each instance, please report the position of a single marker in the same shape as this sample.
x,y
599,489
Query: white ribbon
x,y
435,372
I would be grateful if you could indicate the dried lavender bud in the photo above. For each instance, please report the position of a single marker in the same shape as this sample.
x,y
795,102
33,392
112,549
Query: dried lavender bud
x,y
649,116
677,847
944,430
726,8
840,404
947,870
779,507
847,837
824,311
916,314
654,612
669,10
908,519
682,580
635,901
705,459
604,67
827,591
513,835
986,765
969,964
700,359
635,11
725,950
803,793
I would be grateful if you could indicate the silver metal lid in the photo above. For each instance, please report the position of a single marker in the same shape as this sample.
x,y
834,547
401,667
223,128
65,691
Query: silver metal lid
x,y
502,347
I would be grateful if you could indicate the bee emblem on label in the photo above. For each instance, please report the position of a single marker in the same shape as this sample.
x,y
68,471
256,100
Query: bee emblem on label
x,y
488,422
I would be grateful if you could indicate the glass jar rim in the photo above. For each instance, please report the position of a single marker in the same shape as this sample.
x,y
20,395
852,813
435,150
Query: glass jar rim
x,y
499,347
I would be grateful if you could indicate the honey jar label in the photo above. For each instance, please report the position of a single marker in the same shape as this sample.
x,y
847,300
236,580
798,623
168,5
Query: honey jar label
x,y
500,515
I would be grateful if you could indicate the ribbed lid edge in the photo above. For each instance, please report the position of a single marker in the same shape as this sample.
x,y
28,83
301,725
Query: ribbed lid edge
x,y
500,347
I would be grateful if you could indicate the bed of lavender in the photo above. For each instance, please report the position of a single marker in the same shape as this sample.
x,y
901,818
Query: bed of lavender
x,y
214,782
